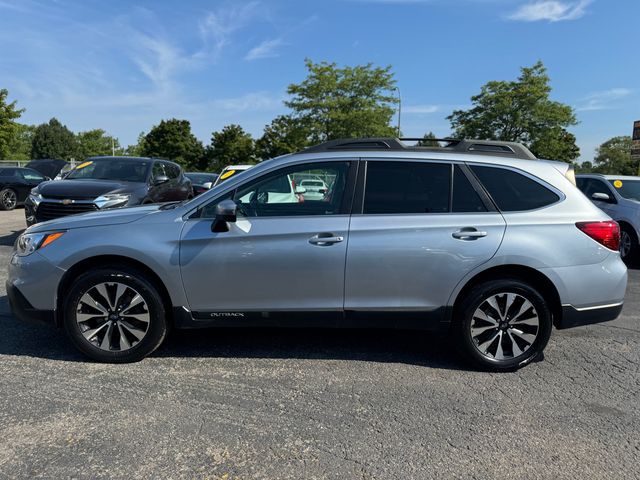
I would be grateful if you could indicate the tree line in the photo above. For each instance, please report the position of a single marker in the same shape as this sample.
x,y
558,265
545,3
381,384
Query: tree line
x,y
332,102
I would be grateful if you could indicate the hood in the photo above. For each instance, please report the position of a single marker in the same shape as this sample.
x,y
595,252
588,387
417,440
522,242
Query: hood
x,y
84,189
116,216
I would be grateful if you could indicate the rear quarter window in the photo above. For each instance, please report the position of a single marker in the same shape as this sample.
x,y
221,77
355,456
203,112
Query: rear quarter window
x,y
512,191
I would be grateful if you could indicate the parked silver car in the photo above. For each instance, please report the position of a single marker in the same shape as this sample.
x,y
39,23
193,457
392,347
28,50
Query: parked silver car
x,y
619,197
473,237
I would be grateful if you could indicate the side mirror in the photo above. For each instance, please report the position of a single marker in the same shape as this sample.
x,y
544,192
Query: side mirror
x,y
207,185
160,179
300,190
602,197
225,212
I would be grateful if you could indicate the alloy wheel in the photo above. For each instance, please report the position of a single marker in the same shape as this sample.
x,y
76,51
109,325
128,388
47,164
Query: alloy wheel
x,y
504,326
9,199
113,316
625,243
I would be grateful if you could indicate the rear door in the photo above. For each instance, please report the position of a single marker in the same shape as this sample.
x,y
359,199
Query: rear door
x,y
419,228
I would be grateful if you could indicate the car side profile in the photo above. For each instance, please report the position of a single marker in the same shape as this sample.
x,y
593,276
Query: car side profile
x,y
619,197
474,238
108,182
15,185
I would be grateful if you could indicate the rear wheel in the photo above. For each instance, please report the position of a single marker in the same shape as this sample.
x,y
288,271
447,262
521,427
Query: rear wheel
x,y
503,324
8,199
115,315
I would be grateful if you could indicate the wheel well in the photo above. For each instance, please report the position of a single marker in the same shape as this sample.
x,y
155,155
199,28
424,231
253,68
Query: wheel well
x,y
111,261
526,274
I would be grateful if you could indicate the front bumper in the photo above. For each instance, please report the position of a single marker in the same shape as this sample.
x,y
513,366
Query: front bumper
x,y
24,311
576,317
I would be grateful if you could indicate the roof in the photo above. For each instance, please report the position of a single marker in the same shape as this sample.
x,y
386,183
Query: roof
x,y
466,146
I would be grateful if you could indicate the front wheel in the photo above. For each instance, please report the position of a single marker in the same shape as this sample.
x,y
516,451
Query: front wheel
x,y
503,324
115,315
628,245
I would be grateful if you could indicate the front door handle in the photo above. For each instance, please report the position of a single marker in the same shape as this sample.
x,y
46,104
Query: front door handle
x,y
468,233
325,239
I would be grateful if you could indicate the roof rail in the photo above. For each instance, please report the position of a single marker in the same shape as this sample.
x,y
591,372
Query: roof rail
x,y
452,145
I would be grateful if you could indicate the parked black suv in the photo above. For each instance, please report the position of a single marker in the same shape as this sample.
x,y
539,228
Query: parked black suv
x,y
108,182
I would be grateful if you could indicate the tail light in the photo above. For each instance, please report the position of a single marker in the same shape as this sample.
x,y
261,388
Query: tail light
x,y
605,233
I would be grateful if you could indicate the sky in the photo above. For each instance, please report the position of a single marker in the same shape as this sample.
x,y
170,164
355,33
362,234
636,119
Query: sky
x,y
124,65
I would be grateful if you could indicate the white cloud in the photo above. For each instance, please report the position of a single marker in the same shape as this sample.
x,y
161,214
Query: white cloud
x,y
266,49
550,10
604,99
420,109
217,27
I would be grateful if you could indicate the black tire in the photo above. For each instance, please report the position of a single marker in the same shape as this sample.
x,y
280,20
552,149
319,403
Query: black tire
x,y
8,199
470,344
629,256
156,327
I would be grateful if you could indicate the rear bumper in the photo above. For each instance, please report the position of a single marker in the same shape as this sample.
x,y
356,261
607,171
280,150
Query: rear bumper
x,y
24,311
576,317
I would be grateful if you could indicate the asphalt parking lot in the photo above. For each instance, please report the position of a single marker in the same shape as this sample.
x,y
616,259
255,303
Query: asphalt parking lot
x,y
317,404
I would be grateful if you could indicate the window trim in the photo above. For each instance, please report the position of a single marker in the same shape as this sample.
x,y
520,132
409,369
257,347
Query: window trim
x,y
548,186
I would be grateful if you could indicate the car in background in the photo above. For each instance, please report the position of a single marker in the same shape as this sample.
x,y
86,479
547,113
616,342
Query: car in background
x,y
314,189
619,197
15,185
230,171
108,182
49,167
201,182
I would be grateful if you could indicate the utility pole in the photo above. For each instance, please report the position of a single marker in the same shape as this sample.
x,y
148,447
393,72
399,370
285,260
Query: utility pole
x,y
113,147
399,109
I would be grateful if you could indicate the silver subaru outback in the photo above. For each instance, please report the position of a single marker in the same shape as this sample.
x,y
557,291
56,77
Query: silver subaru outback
x,y
476,238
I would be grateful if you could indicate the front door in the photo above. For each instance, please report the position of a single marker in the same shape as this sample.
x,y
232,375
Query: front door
x,y
422,226
284,253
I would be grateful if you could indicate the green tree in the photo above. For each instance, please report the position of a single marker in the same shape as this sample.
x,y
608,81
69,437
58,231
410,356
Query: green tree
x,y
283,135
8,126
20,146
428,140
53,140
344,102
135,150
172,139
96,142
614,157
520,111
232,145
584,167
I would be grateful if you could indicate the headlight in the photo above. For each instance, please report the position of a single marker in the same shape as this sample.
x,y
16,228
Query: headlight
x,y
112,200
30,242
35,197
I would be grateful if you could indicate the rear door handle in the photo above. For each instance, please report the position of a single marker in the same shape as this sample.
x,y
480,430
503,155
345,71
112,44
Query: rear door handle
x,y
325,239
468,234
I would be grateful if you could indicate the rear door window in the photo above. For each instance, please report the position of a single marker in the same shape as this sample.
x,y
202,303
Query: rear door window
x,y
465,197
407,187
512,191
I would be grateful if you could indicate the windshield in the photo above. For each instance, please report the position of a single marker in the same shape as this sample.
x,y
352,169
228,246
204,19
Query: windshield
x,y
122,170
627,188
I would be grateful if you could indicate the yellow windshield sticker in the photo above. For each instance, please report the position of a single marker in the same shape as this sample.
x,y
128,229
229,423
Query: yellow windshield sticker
x,y
82,165
617,183
226,175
